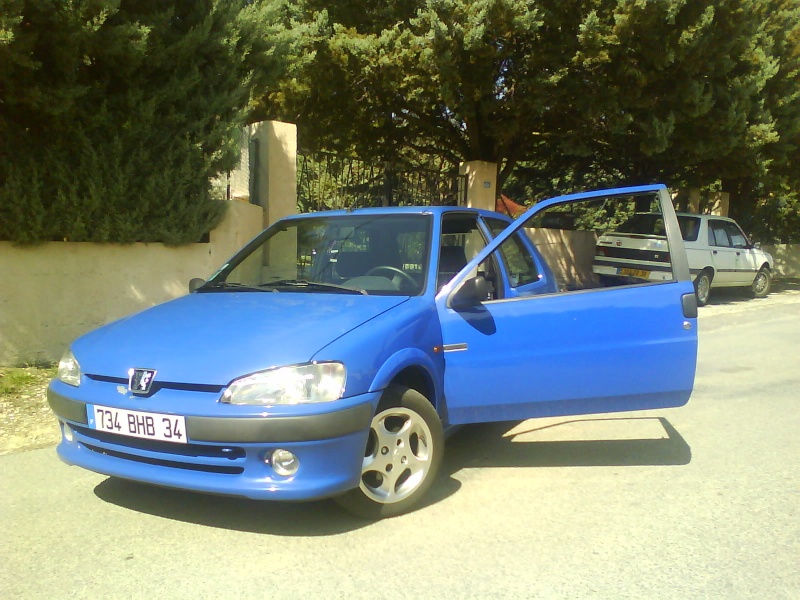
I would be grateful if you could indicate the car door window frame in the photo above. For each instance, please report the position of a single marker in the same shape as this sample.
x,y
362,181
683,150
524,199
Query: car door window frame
x,y
680,263
715,227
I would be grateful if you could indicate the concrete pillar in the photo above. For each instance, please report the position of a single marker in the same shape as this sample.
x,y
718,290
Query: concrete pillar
x,y
718,203
276,172
481,183
273,177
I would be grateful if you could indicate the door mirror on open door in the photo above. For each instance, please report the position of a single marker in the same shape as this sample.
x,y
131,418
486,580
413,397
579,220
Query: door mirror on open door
x,y
471,293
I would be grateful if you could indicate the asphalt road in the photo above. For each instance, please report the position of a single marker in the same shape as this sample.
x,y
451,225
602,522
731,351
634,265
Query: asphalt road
x,y
697,502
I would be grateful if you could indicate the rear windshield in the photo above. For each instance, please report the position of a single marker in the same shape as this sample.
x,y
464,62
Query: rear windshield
x,y
653,224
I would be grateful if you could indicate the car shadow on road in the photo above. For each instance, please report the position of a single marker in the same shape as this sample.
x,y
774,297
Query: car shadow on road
x,y
305,519
528,444
736,295
499,445
494,445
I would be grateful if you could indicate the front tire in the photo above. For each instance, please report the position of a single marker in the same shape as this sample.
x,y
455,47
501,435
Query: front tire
x,y
762,283
403,455
702,288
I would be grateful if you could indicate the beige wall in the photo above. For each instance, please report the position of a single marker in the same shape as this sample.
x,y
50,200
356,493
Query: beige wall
x,y
57,291
569,254
787,259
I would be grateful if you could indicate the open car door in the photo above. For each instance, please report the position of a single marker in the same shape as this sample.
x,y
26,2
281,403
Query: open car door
x,y
607,343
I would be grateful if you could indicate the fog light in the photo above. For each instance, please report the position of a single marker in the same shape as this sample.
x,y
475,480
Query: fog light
x,y
284,462
68,435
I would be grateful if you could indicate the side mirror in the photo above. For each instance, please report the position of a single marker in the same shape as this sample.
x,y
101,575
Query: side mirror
x,y
472,292
195,283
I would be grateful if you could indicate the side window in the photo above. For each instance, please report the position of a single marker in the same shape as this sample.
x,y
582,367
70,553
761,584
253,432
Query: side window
x,y
603,242
737,237
461,240
690,227
496,226
719,235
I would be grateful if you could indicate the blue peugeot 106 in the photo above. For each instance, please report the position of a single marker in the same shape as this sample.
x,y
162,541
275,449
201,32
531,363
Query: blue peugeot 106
x,y
330,355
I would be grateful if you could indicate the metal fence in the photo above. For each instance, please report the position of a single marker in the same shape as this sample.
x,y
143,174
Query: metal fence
x,y
329,181
241,183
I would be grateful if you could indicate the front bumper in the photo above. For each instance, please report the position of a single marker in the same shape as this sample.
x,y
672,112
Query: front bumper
x,y
229,454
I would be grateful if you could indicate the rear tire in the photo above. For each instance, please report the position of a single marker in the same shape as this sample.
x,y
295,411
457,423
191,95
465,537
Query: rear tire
x,y
402,457
702,288
761,284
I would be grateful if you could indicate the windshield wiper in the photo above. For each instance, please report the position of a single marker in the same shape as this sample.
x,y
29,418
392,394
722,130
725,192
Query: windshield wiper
x,y
221,286
315,285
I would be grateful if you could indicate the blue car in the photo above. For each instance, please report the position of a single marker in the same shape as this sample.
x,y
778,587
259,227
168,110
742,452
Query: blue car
x,y
332,354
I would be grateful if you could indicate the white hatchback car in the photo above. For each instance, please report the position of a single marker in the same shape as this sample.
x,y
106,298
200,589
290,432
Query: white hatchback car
x,y
719,253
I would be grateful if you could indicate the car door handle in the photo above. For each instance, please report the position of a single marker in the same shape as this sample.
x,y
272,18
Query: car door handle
x,y
713,252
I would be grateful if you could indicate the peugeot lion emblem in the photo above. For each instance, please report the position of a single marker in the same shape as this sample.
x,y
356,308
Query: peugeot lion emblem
x,y
141,380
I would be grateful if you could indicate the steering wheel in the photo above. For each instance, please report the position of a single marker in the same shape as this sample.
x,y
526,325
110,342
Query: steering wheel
x,y
404,277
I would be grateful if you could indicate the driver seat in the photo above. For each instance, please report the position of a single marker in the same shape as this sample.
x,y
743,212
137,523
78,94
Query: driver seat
x,y
451,260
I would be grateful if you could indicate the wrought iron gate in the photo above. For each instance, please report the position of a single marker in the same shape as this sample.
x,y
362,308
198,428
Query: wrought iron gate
x,y
327,181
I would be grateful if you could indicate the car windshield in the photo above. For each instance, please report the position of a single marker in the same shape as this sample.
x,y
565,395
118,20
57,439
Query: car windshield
x,y
352,254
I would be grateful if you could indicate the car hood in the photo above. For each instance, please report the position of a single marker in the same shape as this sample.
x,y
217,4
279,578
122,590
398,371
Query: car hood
x,y
213,338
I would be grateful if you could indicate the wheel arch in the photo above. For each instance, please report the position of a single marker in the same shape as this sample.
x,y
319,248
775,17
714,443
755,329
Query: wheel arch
x,y
413,369
418,379
707,269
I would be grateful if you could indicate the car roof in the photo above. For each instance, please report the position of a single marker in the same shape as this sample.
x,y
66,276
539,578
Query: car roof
x,y
403,210
704,217
696,215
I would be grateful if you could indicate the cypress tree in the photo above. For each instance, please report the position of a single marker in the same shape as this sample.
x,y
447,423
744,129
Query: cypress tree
x,y
116,114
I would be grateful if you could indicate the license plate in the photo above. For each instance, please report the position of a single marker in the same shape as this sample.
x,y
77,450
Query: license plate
x,y
135,423
635,273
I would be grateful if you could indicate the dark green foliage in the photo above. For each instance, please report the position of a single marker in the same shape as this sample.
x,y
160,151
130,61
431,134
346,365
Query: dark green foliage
x,y
116,114
563,95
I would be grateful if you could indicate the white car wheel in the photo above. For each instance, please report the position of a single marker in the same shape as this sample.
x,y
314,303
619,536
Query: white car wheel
x,y
702,288
762,283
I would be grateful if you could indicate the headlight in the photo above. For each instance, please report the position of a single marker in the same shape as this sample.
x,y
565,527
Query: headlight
x,y
69,371
300,384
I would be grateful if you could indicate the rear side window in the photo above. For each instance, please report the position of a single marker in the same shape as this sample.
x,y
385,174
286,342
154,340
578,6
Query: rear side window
x,y
518,261
690,227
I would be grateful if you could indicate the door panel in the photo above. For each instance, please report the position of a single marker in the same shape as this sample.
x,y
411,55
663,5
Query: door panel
x,y
596,349
747,265
576,353
722,254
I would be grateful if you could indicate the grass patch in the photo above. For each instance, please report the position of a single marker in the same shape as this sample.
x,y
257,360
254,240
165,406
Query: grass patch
x,y
26,421
20,381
